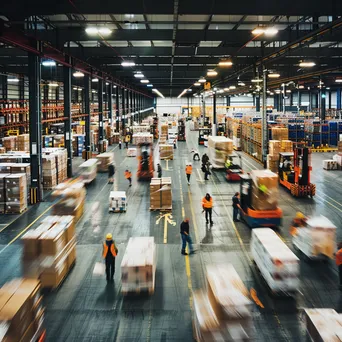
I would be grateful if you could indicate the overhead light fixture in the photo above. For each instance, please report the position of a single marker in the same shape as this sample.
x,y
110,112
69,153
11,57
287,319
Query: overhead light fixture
x,y
258,30
226,89
271,31
241,84
307,64
302,87
53,84
128,64
95,80
93,91
338,80
275,75
74,88
327,88
105,31
189,90
277,91
144,81
107,83
271,93
211,73
256,80
114,86
158,93
139,75
288,91
150,85
48,62
181,94
232,87
12,79
197,84
79,89
92,30
221,91
225,63
78,74
202,80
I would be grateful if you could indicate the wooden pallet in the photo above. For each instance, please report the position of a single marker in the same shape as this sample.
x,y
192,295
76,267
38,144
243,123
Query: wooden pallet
x,y
15,212
138,292
54,288
117,211
161,209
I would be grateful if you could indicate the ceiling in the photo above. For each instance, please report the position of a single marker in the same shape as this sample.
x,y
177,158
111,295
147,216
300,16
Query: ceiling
x,y
174,43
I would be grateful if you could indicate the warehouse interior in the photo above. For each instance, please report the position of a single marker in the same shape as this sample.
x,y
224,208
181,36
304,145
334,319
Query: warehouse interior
x,y
103,109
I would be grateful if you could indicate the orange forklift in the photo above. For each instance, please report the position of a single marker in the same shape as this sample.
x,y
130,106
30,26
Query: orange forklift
x,y
294,172
145,160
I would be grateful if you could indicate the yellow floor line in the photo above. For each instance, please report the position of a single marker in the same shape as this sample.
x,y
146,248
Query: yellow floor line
x,y
339,203
165,230
324,200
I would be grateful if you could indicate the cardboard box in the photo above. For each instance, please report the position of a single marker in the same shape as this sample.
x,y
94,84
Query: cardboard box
x,y
53,241
52,278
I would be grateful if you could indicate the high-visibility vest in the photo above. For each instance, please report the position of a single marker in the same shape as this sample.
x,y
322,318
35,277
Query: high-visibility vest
x,y
207,204
128,174
127,138
188,169
105,250
339,257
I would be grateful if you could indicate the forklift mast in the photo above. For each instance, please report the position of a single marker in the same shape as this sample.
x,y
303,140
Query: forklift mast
x,y
302,165
245,191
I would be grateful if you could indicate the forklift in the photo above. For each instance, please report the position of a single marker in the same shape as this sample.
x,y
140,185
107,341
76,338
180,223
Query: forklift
x,y
233,169
256,218
294,172
203,134
181,130
145,161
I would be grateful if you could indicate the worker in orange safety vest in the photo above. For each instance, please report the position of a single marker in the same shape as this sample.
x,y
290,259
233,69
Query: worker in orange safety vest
x,y
207,205
109,253
128,176
338,257
188,171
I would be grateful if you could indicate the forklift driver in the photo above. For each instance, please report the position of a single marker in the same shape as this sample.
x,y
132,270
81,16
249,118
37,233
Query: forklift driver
x,y
229,162
287,166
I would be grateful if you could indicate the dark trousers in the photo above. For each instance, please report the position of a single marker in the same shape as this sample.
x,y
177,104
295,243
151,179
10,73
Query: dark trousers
x,y
110,268
130,181
235,213
206,174
120,146
340,274
188,177
186,239
208,213
159,175
126,144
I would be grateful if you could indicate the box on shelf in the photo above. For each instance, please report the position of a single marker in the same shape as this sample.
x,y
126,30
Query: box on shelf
x,y
3,192
339,146
24,142
10,143
161,193
286,146
280,133
117,201
218,150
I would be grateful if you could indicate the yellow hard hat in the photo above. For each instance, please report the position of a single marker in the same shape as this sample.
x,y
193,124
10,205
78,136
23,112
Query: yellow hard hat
x,y
109,236
299,215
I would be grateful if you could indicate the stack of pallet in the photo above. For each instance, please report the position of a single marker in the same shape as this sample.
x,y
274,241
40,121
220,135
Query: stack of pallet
x,y
223,313
16,193
49,171
21,310
218,150
161,194
24,142
265,190
117,201
141,138
274,148
280,133
104,160
49,251
138,266
165,151
61,156
10,143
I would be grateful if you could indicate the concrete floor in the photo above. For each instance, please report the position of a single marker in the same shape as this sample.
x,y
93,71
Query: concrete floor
x,y
85,308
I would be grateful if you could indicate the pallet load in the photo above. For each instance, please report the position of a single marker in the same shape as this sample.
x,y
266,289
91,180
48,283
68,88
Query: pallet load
x,y
49,171
286,146
277,264
339,146
10,143
161,194
218,150
165,152
138,266
141,129
264,190
162,139
274,148
280,133
2,150
88,170
16,193
24,142
115,138
317,238
117,201
224,312
131,152
104,160
338,159
61,156
330,164
21,311
142,138
3,192
237,134
164,128
323,325
49,251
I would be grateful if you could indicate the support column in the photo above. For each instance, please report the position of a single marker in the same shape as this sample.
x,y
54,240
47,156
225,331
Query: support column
x,y
87,118
291,99
213,127
228,101
123,111
132,108
110,104
323,104
264,130
100,100
338,98
35,122
299,102
276,102
117,109
67,114
329,94
257,103
280,102
21,103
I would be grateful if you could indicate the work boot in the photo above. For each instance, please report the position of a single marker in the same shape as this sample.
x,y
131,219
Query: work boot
x,y
184,253
211,222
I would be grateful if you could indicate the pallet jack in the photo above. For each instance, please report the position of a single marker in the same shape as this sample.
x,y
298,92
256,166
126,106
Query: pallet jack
x,y
294,172
256,218
145,161
233,170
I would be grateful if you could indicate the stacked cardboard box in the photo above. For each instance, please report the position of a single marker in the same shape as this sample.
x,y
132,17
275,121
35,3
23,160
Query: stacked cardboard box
x,y
142,128
264,190
16,193
49,251
49,171
224,312
3,192
61,156
237,134
323,325
330,164
164,129
286,146
165,151
138,266
219,149
140,138
162,139
339,146
24,142
117,201
337,158
161,193
10,143
80,129
131,152
115,138
104,160
88,170
2,150
21,310
274,148
280,133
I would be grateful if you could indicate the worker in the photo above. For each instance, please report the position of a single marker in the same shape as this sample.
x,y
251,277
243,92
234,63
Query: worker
x,y
298,221
127,140
175,143
111,172
120,143
207,205
205,159
159,170
188,171
229,162
287,165
109,253
128,176
185,235
236,206
339,262
206,170
196,155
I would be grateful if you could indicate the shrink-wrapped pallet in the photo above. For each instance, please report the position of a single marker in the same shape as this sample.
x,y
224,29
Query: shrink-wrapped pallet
x,y
161,193
138,266
117,201
141,129
278,265
16,193
218,150
24,142
339,146
272,163
286,146
3,192
104,160
330,164
264,190
10,143
131,152
88,170
165,151
164,129
142,138
274,147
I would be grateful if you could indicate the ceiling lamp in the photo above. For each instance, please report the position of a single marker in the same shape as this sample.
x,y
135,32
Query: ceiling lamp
x,y
158,93
258,30
338,80
288,91
53,84
150,85
189,90
105,31
270,31
232,87
12,79
94,31
95,80
256,80
211,73
78,74
107,83
277,91
197,84
181,94
301,87
241,84
226,89
271,93
202,80
307,64
144,81
274,75
79,89
221,91
91,30
114,86
139,75
93,91
225,63
74,88
48,62
128,64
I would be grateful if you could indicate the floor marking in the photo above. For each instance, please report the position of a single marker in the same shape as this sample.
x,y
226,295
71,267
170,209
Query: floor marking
x,y
324,200
339,203
168,219
200,177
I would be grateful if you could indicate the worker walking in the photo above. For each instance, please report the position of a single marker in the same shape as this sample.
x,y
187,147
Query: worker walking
x,y
109,253
188,171
196,155
207,205
128,176
120,144
339,263
236,206
111,172
185,235
127,140
205,159
159,170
